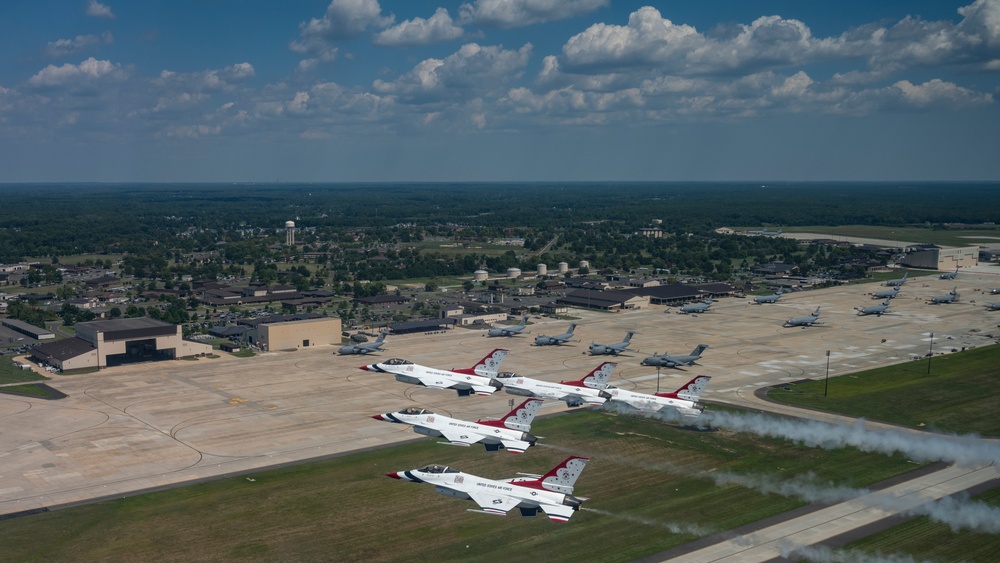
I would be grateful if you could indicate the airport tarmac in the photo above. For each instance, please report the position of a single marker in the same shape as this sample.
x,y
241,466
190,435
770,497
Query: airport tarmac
x,y
153,425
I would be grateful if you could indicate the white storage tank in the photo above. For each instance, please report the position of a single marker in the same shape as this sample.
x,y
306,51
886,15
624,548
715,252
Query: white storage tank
x,y
513,272
584,264
480,275
563,267
542,270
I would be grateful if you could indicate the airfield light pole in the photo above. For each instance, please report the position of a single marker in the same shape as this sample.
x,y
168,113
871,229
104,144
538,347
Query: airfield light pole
x,y
826,382
658,378
930,354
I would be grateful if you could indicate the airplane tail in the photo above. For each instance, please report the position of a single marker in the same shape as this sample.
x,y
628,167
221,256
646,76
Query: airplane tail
x,y
572,327
519,418
698,350
559,479
524,321
597,379
381,337
816,312
691,391
628,336
489,366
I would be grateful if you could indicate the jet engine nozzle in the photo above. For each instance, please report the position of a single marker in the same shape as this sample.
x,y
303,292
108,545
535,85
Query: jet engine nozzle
x,y
573,502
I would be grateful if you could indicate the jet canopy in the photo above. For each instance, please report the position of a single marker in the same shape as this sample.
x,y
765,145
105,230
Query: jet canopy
x,y
415,410
505,375
438,469
397,362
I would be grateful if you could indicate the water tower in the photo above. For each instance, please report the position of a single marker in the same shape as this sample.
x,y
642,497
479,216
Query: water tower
x,y
289,233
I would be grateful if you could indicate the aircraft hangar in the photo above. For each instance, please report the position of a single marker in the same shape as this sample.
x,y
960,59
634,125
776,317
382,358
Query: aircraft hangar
x,y
100,344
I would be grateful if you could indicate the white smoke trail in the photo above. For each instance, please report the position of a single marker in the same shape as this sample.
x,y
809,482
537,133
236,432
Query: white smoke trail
x,y
672,526
820,554
965,450
799,486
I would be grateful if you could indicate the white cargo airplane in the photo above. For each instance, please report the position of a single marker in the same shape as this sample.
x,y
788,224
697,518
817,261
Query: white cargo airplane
x,y
509,432
773,298
683,400
695,308
575,393
478,379
552,492
886,293
509,330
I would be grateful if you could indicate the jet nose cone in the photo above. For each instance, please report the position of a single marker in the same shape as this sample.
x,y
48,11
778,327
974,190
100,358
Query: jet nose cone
x,y
394,475
379,417
366,368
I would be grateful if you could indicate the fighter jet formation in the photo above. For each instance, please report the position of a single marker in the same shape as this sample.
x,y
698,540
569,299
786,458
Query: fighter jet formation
x,y
510,432
585,391
551,493
478,379
612,349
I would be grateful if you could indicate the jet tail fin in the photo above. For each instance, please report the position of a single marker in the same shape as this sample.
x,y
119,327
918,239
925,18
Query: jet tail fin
x,y
698,350
559,479
596,379
520,417
690,391
489,366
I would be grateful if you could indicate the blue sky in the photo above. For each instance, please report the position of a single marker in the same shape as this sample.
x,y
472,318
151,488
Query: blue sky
x,y
498,90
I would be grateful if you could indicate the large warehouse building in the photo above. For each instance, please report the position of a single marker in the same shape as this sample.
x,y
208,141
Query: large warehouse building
x,y
100,344
937,258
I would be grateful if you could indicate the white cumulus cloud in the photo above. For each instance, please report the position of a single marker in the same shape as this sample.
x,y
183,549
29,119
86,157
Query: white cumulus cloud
x,y
64,47
420,31
468,72
516,13
344,19
98,10
69,74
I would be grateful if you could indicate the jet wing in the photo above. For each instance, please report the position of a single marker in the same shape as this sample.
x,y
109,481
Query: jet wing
x,y
558,512
494,504
460,438
516,446
483,389
577,400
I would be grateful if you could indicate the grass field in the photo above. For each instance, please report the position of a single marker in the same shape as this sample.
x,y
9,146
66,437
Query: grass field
x,y
958,395
9,373
650,481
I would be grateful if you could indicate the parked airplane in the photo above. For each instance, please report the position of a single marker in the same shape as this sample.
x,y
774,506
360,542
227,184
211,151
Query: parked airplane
x,y
993,306
542,340
886,293
683,400
478,379
366,348
949,275
876,310
508,330
949,297
773,298
808,320
612,349
575,393
667,361
995,291
765,233
552,492
509,432
696,307
898,281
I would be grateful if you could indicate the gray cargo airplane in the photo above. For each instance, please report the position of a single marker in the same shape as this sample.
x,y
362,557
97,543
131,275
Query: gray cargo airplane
x,y
949,275
667,361
803,321
886,293
993,306
542,340
898,281
508,330
876,310
612,349
362,349
949,297
696,307
773,298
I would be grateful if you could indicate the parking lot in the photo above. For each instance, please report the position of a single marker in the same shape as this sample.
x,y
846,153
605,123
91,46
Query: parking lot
x,y
146,426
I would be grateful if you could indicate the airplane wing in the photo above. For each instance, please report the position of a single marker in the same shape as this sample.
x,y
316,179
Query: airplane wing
x,y
558,512
460,438
574,400
493,503
516,446
483,389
